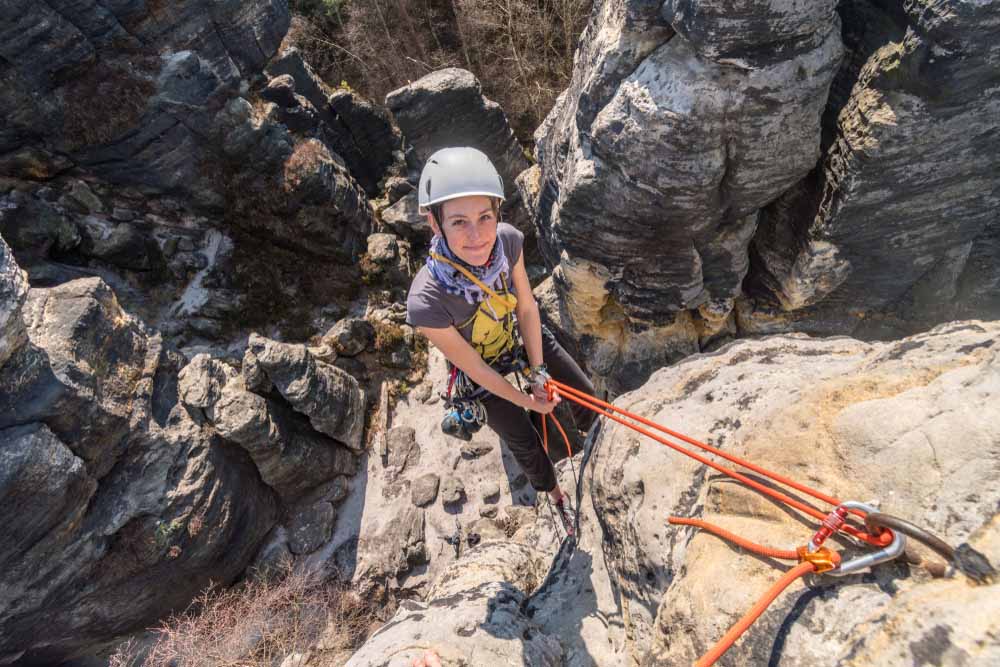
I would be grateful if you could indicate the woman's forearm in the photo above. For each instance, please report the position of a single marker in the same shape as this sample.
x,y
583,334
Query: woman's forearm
x,y
529,322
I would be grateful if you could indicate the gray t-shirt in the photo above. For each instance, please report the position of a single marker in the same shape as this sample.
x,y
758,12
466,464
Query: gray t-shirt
x,y
429,305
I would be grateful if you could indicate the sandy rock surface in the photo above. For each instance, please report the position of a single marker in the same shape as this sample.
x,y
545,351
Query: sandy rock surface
x,y
908,426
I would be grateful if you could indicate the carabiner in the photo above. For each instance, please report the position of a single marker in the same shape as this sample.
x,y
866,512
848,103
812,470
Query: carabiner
x,y
895,548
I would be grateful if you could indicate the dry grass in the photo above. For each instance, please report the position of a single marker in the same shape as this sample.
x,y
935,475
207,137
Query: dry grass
x,y
106,101
388,336
258,624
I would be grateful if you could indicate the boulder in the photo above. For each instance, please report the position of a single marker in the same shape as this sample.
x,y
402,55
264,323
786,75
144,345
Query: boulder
x,y
281,91
447,108
13,294
350,336
405,219
329,397
85,361
452,491
290,456
393,547
424,489
310,527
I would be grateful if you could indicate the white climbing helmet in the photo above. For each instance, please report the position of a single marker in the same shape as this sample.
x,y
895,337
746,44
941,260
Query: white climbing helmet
x,y
458,172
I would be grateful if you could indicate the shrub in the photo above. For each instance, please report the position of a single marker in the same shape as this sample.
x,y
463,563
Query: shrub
x,y
257,624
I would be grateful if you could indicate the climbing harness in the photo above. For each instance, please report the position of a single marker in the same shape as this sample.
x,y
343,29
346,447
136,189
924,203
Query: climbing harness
x,y
493,331
886,533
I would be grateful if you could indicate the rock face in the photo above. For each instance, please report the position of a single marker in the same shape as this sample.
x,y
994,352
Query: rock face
x,y
117,506
656,160
911,424
291,457
108,87
356,129
907,423
914,147
447,108
678,197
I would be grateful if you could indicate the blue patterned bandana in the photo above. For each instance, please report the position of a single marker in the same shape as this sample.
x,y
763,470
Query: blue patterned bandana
x,y
454,282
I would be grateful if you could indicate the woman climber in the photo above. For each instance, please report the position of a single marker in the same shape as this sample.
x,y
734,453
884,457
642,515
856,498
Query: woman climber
x,y
466,300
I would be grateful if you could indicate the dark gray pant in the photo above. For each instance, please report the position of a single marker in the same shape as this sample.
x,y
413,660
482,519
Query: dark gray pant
x,y
521,431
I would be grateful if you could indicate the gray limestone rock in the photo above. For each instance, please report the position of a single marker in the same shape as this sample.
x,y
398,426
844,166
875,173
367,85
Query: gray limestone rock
x,y
898,423
475,607
290,456
13,294
475,448
372,131
134,508
473,120
393,547
405,219
424,489
350,336
35,228
310,527
914,144
657,158
201,382
117,113
281,91
404,452
452,491
78,375
354,128
490,493
81,198
329,397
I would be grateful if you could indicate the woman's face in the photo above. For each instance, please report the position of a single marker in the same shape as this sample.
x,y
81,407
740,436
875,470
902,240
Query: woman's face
x,y
470,226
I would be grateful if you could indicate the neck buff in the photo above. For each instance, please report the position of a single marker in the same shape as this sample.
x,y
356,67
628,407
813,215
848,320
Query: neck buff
x,y
454,282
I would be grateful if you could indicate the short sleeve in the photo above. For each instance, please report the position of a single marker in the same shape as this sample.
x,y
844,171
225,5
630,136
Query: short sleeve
x,y
513,242
424,307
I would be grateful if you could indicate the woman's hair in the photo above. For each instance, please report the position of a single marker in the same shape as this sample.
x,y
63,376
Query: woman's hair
x,y
438,211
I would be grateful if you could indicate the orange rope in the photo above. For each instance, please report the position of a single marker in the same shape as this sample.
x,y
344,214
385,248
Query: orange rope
x,y
785,554
608,410
744,623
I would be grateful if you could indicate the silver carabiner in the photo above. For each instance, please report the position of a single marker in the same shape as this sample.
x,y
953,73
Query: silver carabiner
x,y
891,552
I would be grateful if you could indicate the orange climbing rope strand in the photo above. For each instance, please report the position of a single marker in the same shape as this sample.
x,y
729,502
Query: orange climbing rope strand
x,y
744,623
608,410
784,554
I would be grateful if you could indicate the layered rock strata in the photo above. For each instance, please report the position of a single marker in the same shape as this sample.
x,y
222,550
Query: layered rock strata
x,y
897,229
678,126
696,182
